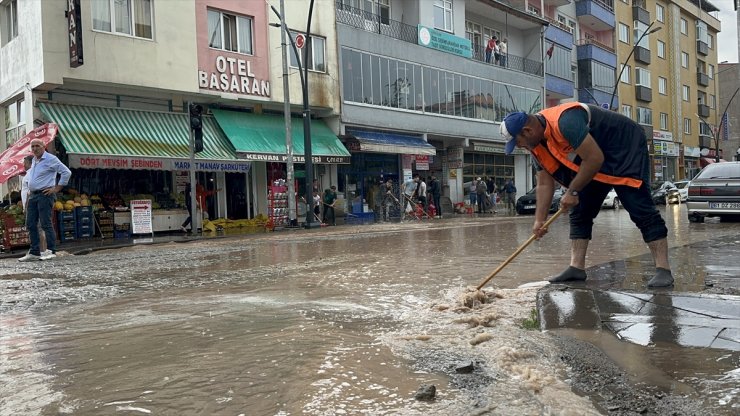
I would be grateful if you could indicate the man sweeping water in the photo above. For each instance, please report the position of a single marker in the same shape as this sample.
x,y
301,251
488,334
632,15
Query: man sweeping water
x,y
589,150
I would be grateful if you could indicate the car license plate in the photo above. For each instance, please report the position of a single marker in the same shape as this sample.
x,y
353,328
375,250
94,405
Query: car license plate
x,y
724,205
530,206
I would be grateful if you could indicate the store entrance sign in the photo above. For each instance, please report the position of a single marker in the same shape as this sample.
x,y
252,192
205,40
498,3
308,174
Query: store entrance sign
x,y
141,216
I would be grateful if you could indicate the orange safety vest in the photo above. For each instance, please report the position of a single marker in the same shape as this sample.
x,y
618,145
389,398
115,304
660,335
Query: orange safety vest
x,y
557,152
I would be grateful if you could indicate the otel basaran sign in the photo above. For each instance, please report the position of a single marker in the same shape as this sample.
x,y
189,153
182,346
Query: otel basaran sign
x,y
233,75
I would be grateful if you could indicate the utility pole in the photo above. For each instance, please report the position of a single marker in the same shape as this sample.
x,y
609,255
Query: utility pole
x,y
194,220
292,215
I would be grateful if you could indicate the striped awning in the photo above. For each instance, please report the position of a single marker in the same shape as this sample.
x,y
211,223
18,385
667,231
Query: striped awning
x,y
117,138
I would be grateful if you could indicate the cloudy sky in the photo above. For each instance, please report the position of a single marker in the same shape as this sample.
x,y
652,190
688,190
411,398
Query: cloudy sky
x,y
728,40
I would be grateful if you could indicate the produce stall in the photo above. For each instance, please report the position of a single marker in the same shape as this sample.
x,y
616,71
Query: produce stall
x,y
13,233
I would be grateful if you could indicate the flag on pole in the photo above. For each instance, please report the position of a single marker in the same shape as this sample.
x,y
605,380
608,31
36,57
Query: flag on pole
x,y
549,51
725,126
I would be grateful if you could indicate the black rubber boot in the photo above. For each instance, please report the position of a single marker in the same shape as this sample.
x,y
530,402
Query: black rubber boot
x,y
571,274
662,278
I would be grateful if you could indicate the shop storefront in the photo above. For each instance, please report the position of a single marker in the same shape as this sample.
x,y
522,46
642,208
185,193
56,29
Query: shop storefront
x,y
487,160
260,139
691,156
378,157
117,155
665,157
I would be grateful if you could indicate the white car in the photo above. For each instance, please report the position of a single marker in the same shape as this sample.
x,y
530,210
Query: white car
x,y
611,200
683,189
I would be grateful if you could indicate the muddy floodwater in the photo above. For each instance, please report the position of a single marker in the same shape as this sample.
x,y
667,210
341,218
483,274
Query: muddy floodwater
x,y
345,320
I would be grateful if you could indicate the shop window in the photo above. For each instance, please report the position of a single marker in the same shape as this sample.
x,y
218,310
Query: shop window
x,y
123,17
315,50
15,121
9,20
229,32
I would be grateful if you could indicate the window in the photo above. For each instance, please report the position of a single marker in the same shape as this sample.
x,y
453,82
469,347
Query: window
x,y
710,71
684,59
702,97
126,17
712,101
315,48
685,93
561,19
532,9
443,15
687,126
664,121
375,80
642,77
701,32
627,110
229,32
710,40
660,13
625,78
684,26
640,29
645,116
15,121
624,33
560,63
9,20
662,85
705,130
661,49
574,29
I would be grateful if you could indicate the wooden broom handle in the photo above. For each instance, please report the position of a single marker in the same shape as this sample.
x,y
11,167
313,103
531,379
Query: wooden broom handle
x,y
520,249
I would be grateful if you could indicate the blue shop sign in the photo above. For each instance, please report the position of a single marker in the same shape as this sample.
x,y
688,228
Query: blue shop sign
x,y
443,41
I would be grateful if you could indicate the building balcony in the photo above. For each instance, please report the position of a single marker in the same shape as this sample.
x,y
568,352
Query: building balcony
x,y
558,33
706,141
374,23
558,88
703,110
702,48
643,93
642,55
640,14
597,15
370,22
592,49
556,3
596,96
702,79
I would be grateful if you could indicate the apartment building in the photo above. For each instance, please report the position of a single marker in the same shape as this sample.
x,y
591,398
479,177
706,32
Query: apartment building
x,y
421,94
669,53
116,76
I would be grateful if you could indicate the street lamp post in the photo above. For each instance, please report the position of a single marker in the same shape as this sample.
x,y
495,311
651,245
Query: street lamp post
x,y
303,72
619,77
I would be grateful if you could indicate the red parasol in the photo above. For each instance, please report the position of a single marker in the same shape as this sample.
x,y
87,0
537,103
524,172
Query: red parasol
x,y
11,160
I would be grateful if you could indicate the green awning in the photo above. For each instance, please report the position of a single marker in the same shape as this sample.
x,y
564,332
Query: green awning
x,y
100,137
261,137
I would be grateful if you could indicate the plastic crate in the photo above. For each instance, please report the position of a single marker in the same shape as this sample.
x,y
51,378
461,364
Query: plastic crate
x,y
65,215
83,211
121,234
361,218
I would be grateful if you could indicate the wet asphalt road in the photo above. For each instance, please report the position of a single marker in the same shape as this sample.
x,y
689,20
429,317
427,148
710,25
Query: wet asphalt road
x,y
308,322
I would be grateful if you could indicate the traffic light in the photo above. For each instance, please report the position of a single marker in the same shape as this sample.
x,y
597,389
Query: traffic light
x,y
196,124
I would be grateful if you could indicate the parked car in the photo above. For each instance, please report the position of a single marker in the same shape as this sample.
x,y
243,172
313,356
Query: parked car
x,y
683,189
715,192
663,192
611,200
527,203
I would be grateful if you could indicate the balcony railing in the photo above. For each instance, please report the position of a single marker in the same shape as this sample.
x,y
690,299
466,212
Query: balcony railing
x,y
376,23
559,25
585,41
371,22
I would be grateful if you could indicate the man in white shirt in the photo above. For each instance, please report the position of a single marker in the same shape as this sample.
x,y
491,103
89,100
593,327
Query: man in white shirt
x,y
27,163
